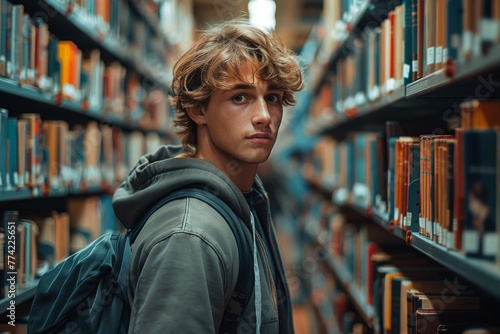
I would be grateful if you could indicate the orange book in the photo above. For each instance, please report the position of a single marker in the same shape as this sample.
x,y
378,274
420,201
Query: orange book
x,y
51,138
496,14
437,142
85,221
41,60
61,235
32,150
477,10
484,114
468,28
406,181
459,194
392,51
399,45
64,55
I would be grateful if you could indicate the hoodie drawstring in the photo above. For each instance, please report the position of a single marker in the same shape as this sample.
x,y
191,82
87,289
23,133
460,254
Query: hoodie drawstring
x,y
258,292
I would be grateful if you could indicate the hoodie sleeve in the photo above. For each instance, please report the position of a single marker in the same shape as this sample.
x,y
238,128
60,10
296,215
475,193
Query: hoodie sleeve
x,y
181,288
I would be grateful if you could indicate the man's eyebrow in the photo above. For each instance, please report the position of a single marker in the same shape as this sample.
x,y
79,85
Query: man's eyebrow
x,y
245,86
241,86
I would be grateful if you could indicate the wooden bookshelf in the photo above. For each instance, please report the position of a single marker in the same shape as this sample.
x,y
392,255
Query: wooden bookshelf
x,y
70,25
480,272
458,82
362,91
86,162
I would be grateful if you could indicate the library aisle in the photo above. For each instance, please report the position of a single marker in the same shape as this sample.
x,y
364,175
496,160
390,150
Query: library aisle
x,y
384,183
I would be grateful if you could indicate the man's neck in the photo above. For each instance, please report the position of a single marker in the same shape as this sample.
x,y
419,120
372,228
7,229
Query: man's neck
x,y
240,173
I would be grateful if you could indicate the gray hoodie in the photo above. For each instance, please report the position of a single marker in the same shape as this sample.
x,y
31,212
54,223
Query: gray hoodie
x,y
185,263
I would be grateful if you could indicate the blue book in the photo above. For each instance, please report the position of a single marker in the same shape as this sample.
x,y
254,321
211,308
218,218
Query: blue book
x,y
360,159
454,29
12,159
412,216
407,41
3,148
480,236
4,8
391,182
374,166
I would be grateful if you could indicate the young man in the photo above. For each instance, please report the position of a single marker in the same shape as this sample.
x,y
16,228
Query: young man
x,y
229,92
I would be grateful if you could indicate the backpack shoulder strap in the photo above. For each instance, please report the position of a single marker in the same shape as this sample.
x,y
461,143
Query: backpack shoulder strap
x,y
245,284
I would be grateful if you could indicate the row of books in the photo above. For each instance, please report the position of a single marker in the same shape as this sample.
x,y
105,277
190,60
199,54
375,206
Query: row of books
x,y
117,19
30,55
50,155
407,292
33,242
417,38
444,187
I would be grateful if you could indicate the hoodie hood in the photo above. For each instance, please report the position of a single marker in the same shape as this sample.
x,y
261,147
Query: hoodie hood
x,y
162,172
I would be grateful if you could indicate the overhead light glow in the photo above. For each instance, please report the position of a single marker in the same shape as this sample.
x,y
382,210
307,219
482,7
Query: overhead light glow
x,y
262,13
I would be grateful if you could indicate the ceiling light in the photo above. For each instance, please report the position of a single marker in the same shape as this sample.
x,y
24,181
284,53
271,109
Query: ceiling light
x,y
262,13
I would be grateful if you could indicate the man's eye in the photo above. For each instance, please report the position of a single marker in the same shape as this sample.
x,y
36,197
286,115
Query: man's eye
x,y
274,98
239,98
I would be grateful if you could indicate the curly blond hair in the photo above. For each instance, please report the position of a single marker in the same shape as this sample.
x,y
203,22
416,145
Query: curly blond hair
x,y
220,53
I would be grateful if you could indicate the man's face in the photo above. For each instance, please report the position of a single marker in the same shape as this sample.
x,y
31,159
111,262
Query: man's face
x,y
243,121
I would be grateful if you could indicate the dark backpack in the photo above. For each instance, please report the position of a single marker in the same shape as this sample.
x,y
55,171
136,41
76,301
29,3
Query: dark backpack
x,y
88,291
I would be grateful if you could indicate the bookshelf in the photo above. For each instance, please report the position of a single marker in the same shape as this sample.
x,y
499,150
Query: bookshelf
x,y
375,121
66,149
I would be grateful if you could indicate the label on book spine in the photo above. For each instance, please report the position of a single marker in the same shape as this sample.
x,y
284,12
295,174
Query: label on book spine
x,y
476,45
421,222
490,242
451,240
439,54
414,65
9,69
445,55
430,55
467,41
437,232
428,227
23,76
488,29
406,71
408,219
470,242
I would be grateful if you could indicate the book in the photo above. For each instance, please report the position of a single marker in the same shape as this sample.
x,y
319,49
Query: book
x,y
33,150
428,321
4,14
12,157
85,221
22,152
480,234
3,148
454,31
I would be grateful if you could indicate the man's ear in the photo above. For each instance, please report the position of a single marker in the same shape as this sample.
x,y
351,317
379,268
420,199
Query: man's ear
x,y
196,114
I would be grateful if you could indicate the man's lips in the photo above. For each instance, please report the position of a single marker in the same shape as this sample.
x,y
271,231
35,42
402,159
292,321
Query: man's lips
x,y
261,138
